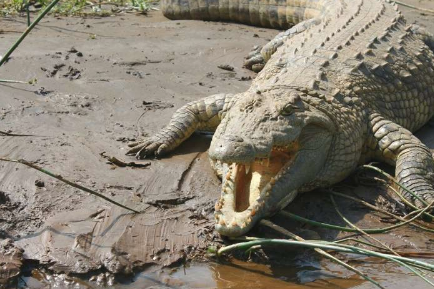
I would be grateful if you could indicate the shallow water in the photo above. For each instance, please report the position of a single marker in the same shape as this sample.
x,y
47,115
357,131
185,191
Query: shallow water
x,y
307,272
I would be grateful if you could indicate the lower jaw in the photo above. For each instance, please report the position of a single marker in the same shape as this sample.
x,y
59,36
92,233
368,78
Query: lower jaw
x,y
231,232
229,222
236,225
233,224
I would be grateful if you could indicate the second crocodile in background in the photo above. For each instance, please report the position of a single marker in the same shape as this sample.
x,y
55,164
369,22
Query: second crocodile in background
x,y
347,83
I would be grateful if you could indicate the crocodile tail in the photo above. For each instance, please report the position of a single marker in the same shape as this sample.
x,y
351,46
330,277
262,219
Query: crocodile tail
x,y
265,13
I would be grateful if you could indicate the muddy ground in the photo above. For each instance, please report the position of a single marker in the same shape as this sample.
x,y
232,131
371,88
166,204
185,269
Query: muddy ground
x,y
102,82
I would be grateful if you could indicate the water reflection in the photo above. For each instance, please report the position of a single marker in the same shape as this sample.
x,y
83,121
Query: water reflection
x,y
251,275
305,272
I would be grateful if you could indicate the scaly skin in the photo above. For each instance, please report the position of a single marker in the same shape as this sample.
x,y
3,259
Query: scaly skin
x,y
347,83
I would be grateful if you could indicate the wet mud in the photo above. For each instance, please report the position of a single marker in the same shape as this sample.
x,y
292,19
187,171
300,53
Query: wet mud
x,y
103,82
11,261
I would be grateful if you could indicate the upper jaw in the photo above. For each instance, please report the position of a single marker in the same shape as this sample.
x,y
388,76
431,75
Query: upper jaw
x,y
228,149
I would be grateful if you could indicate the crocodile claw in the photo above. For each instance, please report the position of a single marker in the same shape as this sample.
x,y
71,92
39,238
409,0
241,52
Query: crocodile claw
x,y
255,61
148,147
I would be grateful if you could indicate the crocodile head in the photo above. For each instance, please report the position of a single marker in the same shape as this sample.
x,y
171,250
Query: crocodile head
x,y
272,145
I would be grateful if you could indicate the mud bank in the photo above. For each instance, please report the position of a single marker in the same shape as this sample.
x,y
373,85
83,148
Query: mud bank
x,y
104,82
101,83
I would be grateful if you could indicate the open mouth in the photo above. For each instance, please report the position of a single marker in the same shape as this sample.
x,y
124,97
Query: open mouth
x,y
247,187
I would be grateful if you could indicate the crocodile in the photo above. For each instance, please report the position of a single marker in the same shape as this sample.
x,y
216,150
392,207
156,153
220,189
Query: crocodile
x,y
346,82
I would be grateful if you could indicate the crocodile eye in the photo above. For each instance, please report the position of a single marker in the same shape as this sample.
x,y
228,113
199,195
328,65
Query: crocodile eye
x,y
288,109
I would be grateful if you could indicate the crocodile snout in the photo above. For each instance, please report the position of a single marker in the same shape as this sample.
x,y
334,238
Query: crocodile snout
x,y
232,149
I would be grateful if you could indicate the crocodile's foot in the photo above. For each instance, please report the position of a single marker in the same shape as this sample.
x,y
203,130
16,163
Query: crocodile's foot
x,y
153,146
255,61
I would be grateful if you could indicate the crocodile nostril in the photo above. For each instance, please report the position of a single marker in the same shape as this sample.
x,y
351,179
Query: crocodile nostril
x,y
234,138
232,149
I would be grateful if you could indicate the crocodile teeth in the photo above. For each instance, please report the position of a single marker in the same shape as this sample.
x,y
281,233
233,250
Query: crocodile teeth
x,y
247,167
234,171
253,212
217,207
228,176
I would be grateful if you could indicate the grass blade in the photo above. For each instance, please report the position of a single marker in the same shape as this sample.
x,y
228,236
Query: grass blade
x,y
322,252
60,178
27,31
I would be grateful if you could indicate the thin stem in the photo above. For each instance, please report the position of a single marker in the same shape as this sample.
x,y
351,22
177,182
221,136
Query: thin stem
x,y
257,247
326,246
28,12
346,229
403,263
378,241
425,255
407,202
13,81
423,265
323,225
60,178
3,133
394,181
358,229
359,241
319,251
243,238
381,210
403,199
413,7
27,31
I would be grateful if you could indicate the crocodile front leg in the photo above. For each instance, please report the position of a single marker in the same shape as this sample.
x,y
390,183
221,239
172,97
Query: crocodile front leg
x,y
204,114
413,160
259,56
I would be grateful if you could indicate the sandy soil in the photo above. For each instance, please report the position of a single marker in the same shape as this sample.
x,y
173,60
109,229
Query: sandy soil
x,y
101,83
